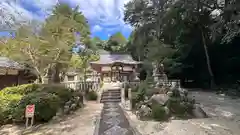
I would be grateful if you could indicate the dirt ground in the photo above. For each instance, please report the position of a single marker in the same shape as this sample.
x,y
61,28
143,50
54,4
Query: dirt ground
x,y
224,119
82,122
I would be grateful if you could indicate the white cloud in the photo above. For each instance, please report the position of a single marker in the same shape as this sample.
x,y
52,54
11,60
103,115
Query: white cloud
x,y
108,14
13,13
126,1
97,28
104,15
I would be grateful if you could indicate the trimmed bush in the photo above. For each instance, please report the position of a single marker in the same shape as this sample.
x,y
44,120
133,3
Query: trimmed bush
x,y
180,108
92,96
159,113
7,105
48,99
46,106
62,92
21,89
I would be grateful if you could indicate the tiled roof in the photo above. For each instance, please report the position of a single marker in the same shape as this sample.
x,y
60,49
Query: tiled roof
x,y
113,58
7,63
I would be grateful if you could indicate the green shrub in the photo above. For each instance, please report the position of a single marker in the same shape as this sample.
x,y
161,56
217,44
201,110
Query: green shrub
x,y
141,93
47,99
46,106
135,89
65,94
150,92
21,89
7,105
92,96
159,113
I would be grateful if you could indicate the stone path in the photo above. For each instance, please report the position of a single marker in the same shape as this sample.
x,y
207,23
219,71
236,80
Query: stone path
x,y
113,121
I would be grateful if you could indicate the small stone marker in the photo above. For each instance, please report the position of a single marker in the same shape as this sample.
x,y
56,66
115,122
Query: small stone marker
x,y
29,114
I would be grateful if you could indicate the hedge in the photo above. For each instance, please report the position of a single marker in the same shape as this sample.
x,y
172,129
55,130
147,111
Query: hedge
x,y
46,106
21,89
48,99
92,96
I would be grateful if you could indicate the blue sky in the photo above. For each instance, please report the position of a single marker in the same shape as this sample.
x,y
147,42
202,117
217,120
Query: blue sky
x,y
105,17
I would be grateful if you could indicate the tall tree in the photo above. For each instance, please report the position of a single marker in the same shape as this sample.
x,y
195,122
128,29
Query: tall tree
x,y
181,24
48,48
116,43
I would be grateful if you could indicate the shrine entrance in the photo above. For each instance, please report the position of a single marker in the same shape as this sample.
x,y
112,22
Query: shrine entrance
x,y
116,70
115,67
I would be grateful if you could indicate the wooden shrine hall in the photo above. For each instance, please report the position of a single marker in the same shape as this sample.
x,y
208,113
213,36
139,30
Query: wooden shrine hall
x,y
114,67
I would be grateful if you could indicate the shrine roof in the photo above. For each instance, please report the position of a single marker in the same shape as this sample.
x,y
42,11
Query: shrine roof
x,y
110,58
7,63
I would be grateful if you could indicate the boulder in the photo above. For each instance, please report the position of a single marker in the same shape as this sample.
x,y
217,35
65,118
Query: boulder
x,y
59,112
73,107
68,103
66,109
160,98
77,99
169,93
144,111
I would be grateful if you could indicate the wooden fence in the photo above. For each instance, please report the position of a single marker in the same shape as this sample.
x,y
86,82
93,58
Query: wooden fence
x,y
82,86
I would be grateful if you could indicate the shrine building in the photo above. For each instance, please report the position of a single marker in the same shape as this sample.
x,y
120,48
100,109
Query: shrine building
x,y
114,67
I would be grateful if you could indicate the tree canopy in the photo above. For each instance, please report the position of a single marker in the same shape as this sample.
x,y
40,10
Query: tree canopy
x,y
196,40
48,48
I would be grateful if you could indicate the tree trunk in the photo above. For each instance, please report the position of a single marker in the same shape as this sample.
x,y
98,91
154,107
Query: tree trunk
x,y
40,79
212,82
56,74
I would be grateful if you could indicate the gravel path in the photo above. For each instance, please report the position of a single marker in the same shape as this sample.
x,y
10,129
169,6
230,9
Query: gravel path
x,y
224,119
82,122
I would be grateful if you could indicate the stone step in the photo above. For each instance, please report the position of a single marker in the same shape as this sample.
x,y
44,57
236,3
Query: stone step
x,y
110,93
110,100
113,90
111,97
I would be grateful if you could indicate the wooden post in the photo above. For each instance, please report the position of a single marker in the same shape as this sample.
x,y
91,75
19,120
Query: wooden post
x,y
29,114
130,98
26,122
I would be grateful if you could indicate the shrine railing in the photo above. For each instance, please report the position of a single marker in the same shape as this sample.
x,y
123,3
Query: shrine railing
x,y
82,86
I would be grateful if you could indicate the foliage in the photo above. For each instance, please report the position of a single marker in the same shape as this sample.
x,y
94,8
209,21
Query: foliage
x,y
92,96
48,99
65,94
159,113
48,47
141,93
180,107
115,44
46,106
195,40
21,89
81,62
7,104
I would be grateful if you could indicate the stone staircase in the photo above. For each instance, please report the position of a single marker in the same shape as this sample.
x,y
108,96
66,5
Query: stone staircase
x,y
111,95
